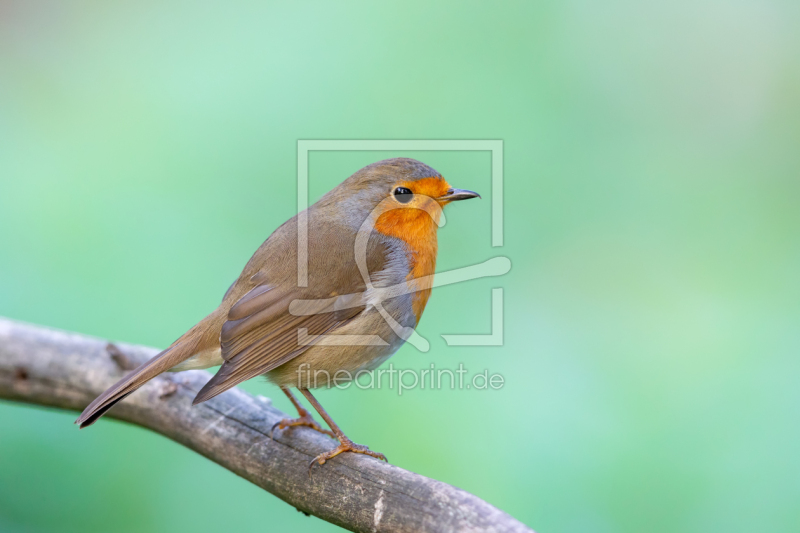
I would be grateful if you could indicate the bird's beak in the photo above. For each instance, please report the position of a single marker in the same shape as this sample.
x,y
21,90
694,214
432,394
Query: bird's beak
x,y
453,195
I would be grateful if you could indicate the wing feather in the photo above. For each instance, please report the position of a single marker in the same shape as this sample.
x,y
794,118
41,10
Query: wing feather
x,y
261,334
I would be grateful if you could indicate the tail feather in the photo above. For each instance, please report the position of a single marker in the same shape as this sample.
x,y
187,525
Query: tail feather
x,y
203,336
89,417
138,377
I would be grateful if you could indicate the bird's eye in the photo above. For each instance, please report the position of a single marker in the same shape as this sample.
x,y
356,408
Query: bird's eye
x,y
403,195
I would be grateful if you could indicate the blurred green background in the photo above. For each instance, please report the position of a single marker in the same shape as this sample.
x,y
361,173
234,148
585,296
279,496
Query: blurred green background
x,y
651,216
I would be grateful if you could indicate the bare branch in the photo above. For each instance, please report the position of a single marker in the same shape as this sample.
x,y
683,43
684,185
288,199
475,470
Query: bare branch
x,y
66,370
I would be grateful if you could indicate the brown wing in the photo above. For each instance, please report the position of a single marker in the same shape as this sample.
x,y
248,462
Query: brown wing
x,y
261,334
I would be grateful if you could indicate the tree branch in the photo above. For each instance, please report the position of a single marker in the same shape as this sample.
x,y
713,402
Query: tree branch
x,y
66,370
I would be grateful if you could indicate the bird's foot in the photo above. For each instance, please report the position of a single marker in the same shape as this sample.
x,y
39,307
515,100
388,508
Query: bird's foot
x,y
304,420
346,445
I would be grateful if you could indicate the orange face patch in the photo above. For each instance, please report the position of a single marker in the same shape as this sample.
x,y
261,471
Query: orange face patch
x,y
415,223
411,221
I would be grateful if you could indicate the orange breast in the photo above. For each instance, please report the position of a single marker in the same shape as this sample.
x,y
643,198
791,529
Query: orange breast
x,y
417,228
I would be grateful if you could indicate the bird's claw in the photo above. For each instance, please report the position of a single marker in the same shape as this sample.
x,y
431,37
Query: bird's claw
x,y
305,420
346,446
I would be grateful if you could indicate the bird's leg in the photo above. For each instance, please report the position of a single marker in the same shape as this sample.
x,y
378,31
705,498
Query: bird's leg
x,y
345,444
304,419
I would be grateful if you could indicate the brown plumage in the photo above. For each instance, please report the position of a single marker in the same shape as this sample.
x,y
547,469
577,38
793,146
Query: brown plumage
x,y
385,217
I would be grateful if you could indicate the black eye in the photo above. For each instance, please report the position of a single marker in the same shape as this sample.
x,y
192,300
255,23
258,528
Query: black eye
x,y
403,195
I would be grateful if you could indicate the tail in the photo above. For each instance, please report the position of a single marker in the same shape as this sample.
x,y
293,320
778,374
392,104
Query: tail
x,y
201,337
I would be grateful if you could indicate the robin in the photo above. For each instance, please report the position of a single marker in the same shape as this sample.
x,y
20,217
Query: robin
x,y
369,236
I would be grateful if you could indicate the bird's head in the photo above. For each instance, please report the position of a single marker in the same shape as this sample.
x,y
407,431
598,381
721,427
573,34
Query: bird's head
x,y
403,196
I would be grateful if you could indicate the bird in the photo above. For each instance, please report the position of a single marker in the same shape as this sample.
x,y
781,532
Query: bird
x,y
333,291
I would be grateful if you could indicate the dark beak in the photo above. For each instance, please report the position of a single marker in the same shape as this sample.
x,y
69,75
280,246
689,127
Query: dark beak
x,y
458,194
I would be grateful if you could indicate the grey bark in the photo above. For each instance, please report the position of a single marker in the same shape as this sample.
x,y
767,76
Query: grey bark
x,y
67,370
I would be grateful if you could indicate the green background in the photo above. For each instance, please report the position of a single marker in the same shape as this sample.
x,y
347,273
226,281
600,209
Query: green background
x,y
652,180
